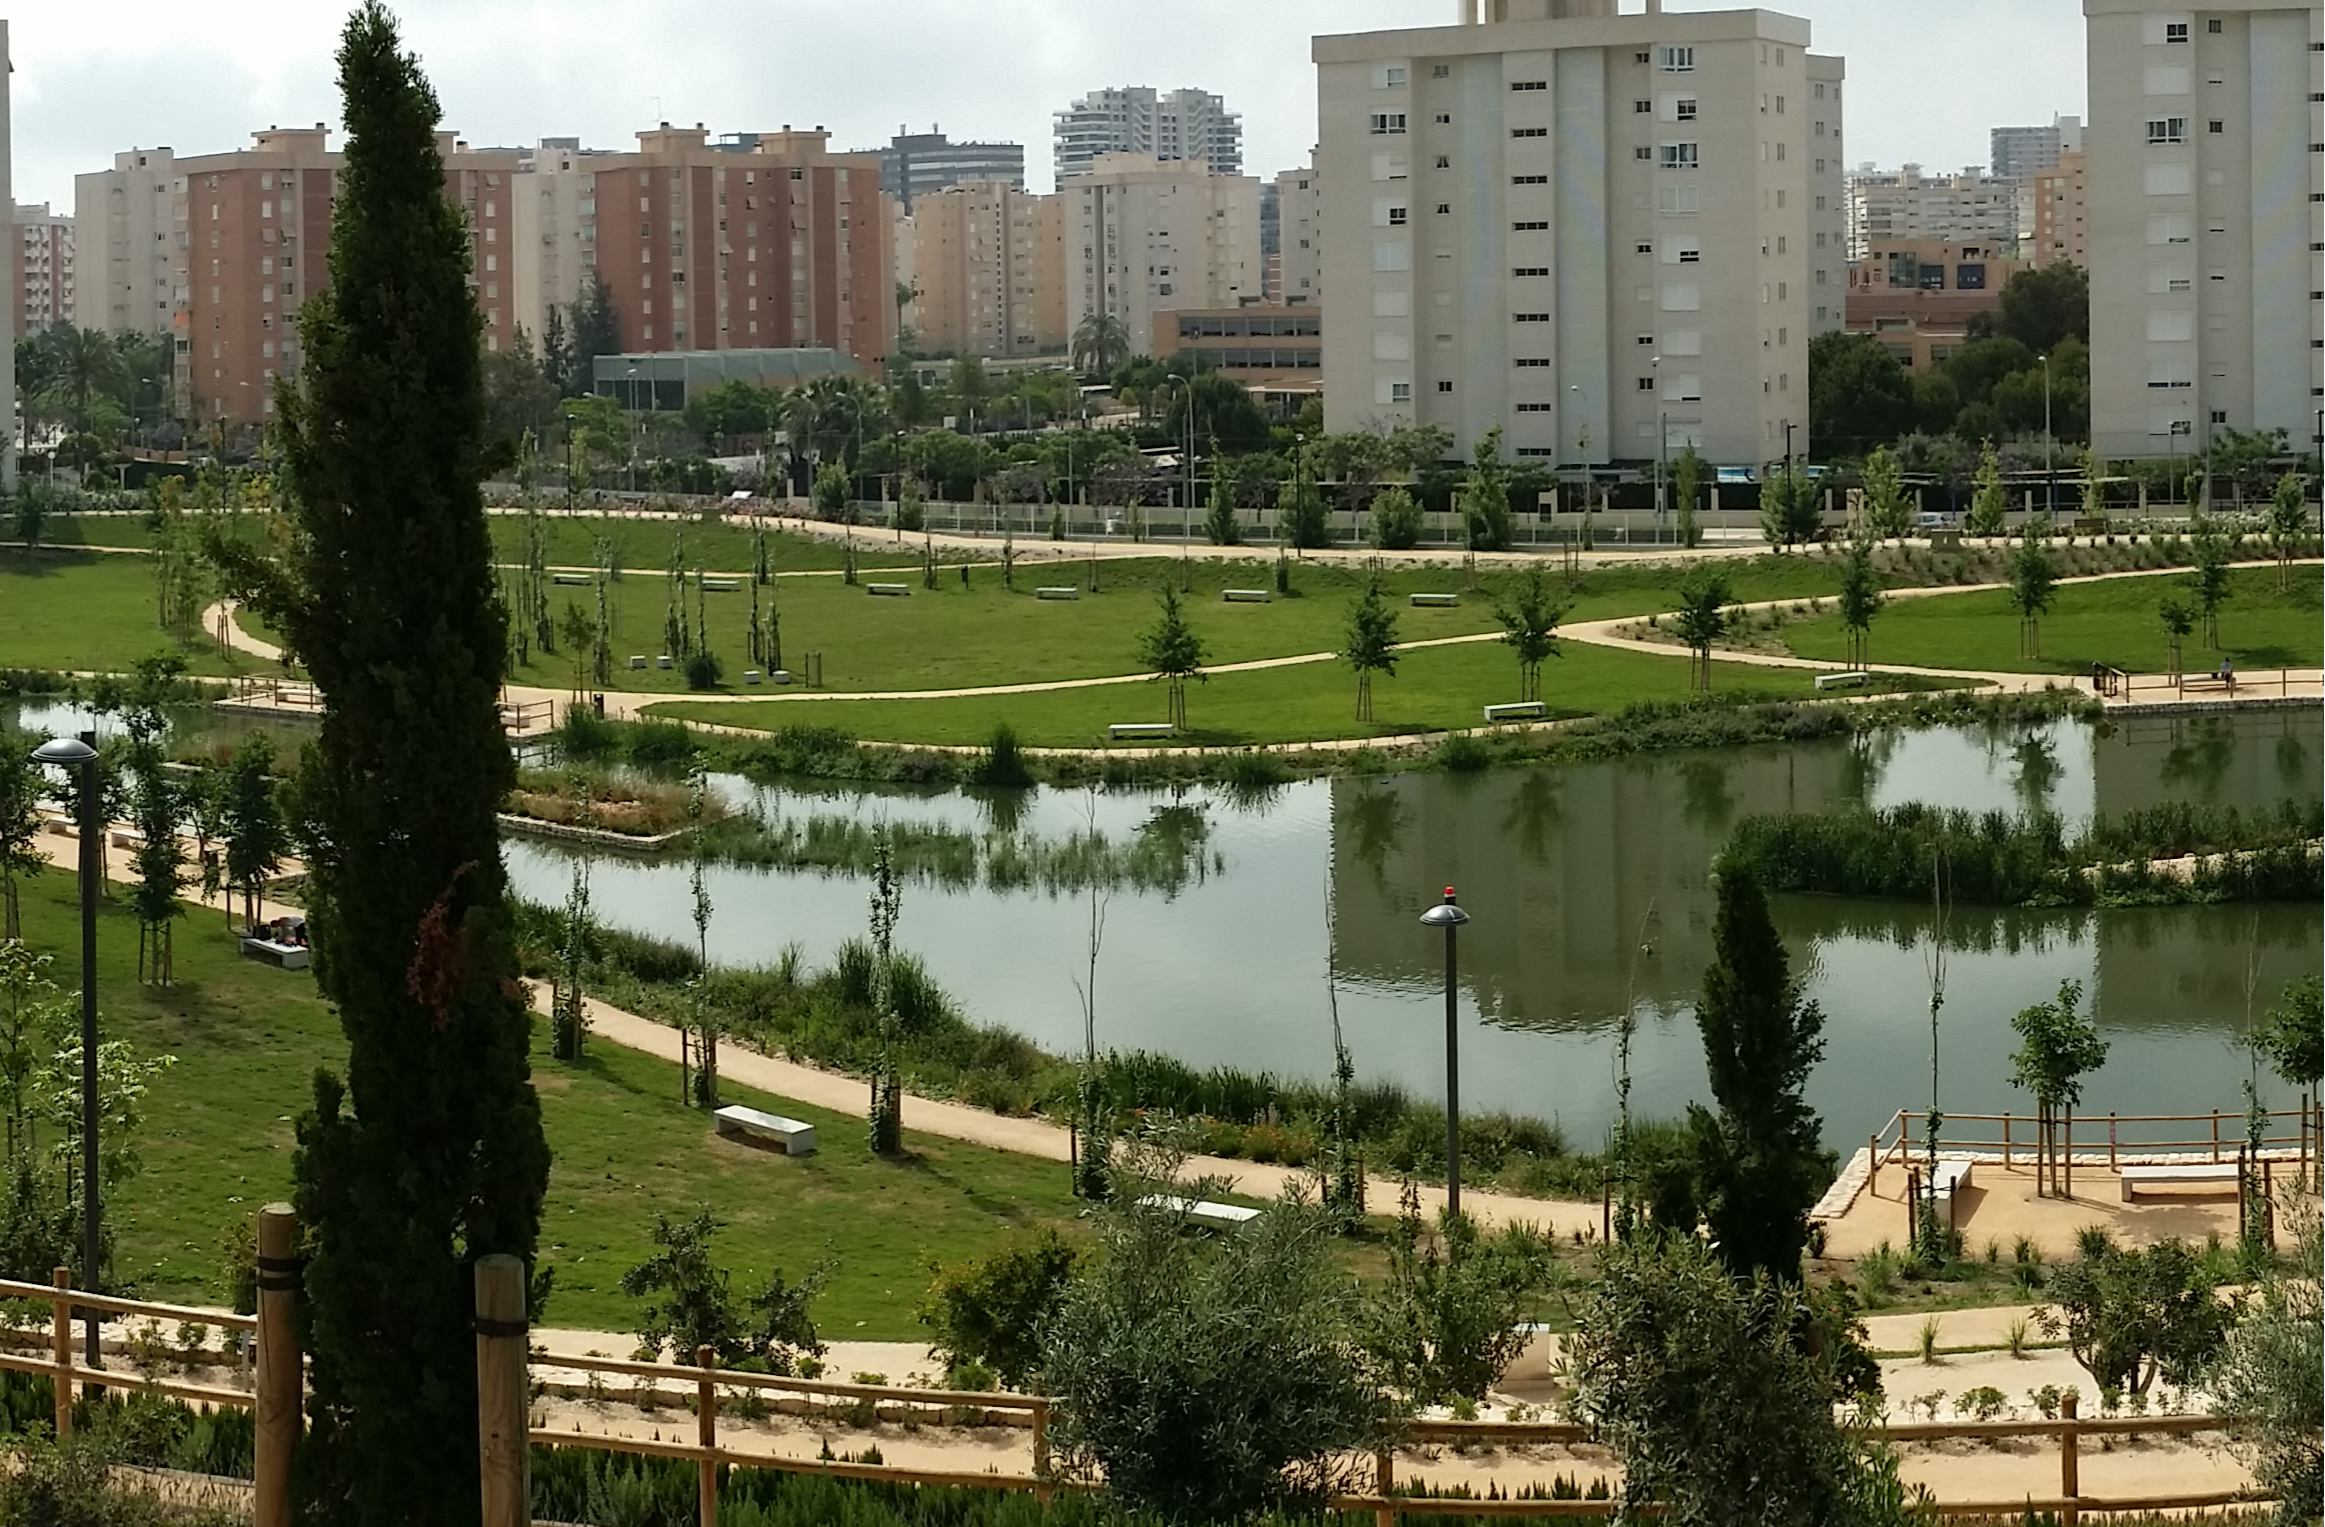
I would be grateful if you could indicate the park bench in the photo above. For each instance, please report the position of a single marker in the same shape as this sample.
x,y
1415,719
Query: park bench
x,y
1436,601
722,585
571,580
750,675
892,590
1843,680
288,956
780,676
2137,1177
1247,596
125,837
662,660
1517,710
1069,592
637,660
1202,1211
797,1139
1121,729
1949,1178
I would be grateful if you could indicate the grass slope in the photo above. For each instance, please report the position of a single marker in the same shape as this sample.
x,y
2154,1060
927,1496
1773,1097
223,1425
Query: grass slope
x,y
88,611
643,545
1434,689
218,1140
2110,622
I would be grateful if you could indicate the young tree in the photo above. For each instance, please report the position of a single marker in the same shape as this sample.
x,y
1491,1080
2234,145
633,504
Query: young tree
x,y
2094,490
1301,511
1763,1160
888,1077
1529,617
1701,620
1485,496
832,495
28,513
1687,473
2288,526
1451,1315
2131,1317
1371,644
2034,577
1101,344
1888,511
1989,502
22,789
1396,520
2057,1046
557,352
256,837
428,1153
2178,620
1860,599
568,1018
596,331
1173,653
2208,573
1788,507
157,808
1219,518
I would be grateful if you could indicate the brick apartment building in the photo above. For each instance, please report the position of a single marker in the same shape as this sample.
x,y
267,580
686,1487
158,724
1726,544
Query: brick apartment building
x,y
1917,296
245,239
44,269
989,267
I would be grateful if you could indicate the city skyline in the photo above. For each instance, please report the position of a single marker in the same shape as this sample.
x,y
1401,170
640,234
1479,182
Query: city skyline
x,y
156,75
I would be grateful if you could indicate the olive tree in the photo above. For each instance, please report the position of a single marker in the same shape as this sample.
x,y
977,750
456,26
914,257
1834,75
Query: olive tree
x,y
2131,1317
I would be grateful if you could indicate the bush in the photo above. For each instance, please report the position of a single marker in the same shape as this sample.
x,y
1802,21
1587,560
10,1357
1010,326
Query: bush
x,y
703,669
660,744
1447,1321
1004,765
584,736
1396,520
696,1307
989,1311
1462,753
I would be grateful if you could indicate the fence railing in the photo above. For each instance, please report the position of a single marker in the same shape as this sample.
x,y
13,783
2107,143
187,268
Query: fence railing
x,y
266,689
2093,1138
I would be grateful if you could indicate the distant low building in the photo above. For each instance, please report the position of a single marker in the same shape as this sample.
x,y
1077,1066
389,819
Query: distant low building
x,y
1918,296
667,379
1263,347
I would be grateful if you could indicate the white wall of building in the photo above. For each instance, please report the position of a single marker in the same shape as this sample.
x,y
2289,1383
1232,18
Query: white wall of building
x,y
1145,236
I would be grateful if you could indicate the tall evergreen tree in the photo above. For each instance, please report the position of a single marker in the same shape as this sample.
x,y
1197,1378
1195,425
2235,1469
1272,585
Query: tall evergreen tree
x,y
557,352
428,1152
595,331
1762,1160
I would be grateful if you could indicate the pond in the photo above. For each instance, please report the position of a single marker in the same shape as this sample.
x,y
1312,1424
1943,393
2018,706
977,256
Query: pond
x,y
1223,912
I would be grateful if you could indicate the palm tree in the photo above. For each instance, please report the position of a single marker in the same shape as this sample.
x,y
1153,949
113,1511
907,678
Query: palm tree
x,y
87,364
1101,343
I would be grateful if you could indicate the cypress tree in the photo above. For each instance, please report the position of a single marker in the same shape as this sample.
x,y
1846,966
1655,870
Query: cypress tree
x,y
427,1153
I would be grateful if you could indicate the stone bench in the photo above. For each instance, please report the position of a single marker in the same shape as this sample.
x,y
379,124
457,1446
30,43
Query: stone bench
x,y
1950,1178
750,675
780,676
1246,596
288,956
1201,1211
722,585
2137,1177
1064,593
637,660
1122,729
662,660
1842,680
572,580
797,1139
1435,601
890,590
1517,710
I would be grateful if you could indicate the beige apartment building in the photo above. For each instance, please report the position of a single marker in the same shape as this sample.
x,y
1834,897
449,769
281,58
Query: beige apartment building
x,y
1589,230
2058,229
1972,207
1146,236
1918,296
988,268
45,292
1298,279
755,241
247,240
2207,212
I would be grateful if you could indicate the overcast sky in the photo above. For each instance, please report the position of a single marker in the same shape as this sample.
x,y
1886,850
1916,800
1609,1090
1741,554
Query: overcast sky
x,y
1925,83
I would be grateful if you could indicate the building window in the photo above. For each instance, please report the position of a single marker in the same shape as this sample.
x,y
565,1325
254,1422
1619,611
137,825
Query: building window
x,y
1529,180
1391,77
1641,58
1643,151
1443,208
2167,130
1444,162
1444,386
1642,106
1642,247
1440,71
1646,384
1400,392
1396,217
1679,156
1529,132
2175,31
1529,84
1531,270
1684,110
1445,119
2213,26
1386,122
2217,125
1532,361
1535,408
1530,227
1529,318
1678,60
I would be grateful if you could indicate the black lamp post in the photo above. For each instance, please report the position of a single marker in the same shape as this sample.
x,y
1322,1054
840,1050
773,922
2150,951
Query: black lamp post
x,y
1450,917
80,753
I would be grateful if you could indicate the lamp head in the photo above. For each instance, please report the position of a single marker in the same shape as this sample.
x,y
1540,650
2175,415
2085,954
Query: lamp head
x,y
1445,914
65,752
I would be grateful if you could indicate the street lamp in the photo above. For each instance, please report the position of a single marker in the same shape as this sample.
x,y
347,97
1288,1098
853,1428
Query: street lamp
x,y
81,753
1450,917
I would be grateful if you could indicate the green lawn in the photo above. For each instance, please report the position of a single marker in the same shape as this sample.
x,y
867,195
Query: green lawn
x,y
95,530
643,545
90,611
2111,622
217,1143
1434,689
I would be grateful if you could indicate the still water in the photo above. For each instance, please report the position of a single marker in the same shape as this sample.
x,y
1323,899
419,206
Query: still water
x,y
1587,886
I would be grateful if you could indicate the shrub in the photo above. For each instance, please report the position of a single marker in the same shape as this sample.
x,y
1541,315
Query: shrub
x,y
1446,1321
584,736
690,1303
703,669
1983,1403
989,1312
1462,753
1396,520
1004,765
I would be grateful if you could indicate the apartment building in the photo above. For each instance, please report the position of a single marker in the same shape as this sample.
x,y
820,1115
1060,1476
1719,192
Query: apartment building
x,y
989,269
2207,212
754,241
2019,154
1137,119
1972,207
1589,230
1828,197
2056,220
1918,296
244,240
1266,348
1146,235
44,270
7,330
914,165
1296,278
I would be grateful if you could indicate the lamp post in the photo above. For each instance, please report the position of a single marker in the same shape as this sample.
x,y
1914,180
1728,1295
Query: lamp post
x,y
80,753
631,397
2050,448
569,422
1450,917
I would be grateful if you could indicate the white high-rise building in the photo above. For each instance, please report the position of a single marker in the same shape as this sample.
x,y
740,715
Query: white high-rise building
x,y
1137,119
8,328
2207,209
1890,206
1828,199
1300,250
1591,231
1146,236
2020,153
124,218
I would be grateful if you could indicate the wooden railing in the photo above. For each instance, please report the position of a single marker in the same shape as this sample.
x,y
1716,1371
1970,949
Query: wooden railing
x,y
294,694
1898,1142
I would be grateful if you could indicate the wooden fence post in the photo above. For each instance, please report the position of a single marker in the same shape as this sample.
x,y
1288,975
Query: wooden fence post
x,y
281,1380
1912,1205
2215,1135
61,1348
2111,1166
706,1431
2070,1477
504,1449
2006,1142
1041,1492
1384,1484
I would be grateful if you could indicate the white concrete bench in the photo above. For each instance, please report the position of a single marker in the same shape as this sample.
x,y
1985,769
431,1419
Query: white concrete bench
x,y
1122,729
1950,1178
637,660
1060,593
1517,710
751,675
662,660
780,676
125,837
891,590
797,1139
571,580
2137,1177
1842,680
1436,601
288,956
722,585
1202,1211
1247,596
